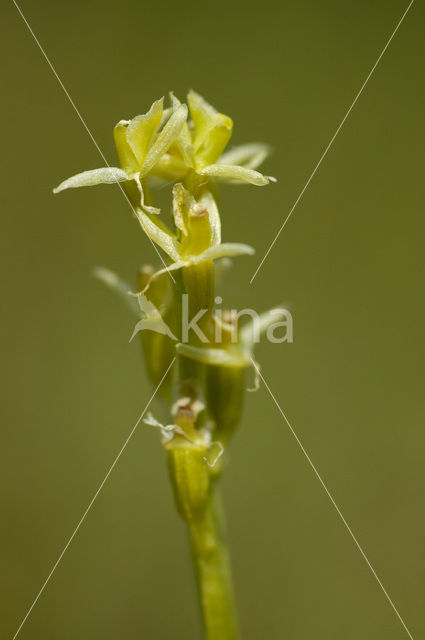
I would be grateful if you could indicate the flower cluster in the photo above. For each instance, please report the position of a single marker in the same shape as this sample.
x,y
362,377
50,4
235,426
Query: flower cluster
x,y
164,143
182,144
185,145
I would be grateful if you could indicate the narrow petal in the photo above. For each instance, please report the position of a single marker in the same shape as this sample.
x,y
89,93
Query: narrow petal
x,y
165,116
249,155
128,160
212,130
215,142
165,139
174,266
159,233
210,204
106,175
231,172
184,139
227,249
192,218
202,115
141,130
147,208
118,285
181,206
213,253
230,357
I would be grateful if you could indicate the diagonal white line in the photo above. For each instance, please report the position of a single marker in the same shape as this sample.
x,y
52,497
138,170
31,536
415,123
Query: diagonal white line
x,y
85,126
92,502
330,143
319,477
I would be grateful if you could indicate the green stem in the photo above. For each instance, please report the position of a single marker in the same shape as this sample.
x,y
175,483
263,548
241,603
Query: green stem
x,y
194,481
213,574
198,502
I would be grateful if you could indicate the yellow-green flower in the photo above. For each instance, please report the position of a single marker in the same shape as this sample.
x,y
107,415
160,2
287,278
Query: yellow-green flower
x,y
199,231
199,148
165,145
140,145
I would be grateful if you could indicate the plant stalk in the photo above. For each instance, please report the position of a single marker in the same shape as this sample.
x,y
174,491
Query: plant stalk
x,y
213,574
198,502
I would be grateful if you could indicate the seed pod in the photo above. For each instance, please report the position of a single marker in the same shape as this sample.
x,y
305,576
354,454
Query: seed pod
x,y
189,470
224,380
224,383
190,476
224,392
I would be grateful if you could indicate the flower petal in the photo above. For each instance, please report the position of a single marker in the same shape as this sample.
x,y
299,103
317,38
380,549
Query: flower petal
x,y
231,172
184,139
141,130
165,139
147,208
210,204
169,168
212,130
182,200
215,142
159,233
174,266
249,155
202,115
230,357
127,159
213,253
224,250
193,219
105,175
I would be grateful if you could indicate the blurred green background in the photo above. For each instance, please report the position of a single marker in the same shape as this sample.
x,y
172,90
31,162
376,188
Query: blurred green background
x,y
349,262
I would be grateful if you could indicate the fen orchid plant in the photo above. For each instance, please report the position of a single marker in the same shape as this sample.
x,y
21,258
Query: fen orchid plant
x,y
198,368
